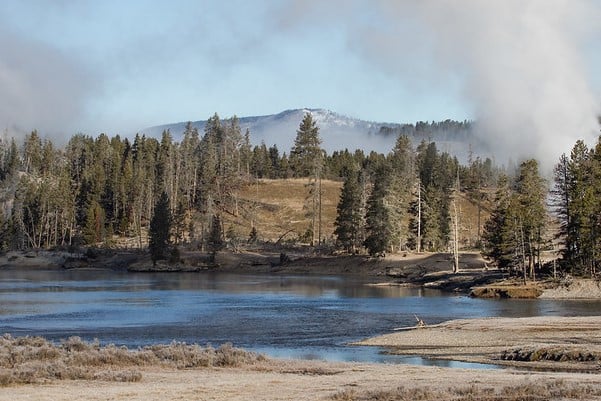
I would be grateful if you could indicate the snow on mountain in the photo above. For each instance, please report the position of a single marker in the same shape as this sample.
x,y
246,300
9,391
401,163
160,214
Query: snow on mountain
x,y
338,132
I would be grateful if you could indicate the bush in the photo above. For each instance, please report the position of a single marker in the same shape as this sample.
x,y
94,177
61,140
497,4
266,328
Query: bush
x,y
34,359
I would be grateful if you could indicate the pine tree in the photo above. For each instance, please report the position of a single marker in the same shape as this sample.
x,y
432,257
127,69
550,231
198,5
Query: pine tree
x,y
349,218
32,153
499,239
378,227
306,160
561,204
399,194
513,235
575,196
531,191
215,240
306,156
159,230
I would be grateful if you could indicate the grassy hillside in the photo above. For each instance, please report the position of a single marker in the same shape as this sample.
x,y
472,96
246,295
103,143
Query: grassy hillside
x,y
277,208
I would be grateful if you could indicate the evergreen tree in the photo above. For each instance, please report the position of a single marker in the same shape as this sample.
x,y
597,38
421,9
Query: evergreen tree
x,y
275,162
191,164
306,160
514,234
531,191
11,161
499,238
94,230
349,216
561,204
32,153
378,227
575,198
306,156
159,230
436,173
215,240
399,194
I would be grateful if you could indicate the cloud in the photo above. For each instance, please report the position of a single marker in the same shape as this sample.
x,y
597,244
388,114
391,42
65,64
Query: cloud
x,y
522,65
41,88
519,66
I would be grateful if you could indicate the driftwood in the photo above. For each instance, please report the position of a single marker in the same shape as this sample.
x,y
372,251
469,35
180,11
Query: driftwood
x,y
419,325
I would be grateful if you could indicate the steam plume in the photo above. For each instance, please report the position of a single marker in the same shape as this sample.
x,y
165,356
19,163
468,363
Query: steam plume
x,y
40,88
522,65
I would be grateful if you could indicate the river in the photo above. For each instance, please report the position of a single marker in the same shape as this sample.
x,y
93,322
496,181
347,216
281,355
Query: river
x,y
310,317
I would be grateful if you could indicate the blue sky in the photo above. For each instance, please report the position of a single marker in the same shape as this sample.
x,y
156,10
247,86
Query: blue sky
x,y
142,63
119,66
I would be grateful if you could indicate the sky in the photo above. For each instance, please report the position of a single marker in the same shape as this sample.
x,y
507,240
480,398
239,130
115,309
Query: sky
x,y
527,68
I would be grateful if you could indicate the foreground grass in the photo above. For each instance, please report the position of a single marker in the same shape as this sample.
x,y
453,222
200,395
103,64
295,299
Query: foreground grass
x,y
34,359
552,390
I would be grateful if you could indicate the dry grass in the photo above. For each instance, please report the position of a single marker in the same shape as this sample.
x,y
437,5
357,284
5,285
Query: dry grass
x,y
34,359
551,390
555,354
278,205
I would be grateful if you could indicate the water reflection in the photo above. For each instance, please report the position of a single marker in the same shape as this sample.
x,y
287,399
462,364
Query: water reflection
x,y
298,316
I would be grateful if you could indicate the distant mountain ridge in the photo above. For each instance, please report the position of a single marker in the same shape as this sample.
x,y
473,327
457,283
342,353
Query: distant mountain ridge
x,y
339,132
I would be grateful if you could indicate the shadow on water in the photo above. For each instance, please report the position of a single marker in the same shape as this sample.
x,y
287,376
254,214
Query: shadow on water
x,y
282,316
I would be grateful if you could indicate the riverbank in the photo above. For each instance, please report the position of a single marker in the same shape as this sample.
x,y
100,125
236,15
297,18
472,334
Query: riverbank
x,y
553,343
76,370
428,270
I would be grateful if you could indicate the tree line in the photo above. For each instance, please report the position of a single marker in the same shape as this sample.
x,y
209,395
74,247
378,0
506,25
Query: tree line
x,y
407,200
94,190
403,200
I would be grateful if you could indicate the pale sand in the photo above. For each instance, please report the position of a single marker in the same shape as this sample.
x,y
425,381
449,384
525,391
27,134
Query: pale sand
x,y
284,380
478,339
483,340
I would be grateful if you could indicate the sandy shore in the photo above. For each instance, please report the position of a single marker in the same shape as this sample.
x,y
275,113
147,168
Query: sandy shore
x,y
287,380
482,340
558,343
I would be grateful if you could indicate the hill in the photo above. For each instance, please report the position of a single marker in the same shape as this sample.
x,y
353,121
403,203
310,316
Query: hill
x,y
339,132
277,208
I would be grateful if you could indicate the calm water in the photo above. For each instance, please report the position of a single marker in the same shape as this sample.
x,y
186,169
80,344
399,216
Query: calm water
x,y
282,316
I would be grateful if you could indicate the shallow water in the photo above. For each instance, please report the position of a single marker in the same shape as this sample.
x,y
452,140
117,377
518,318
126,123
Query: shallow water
x,y
282,316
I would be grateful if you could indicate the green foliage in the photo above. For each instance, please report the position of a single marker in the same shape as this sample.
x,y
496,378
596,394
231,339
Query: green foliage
x,y
96,187
306,156
160,228
436,174
499,239
575,198
350,214
514,234
94,230
398,197
378,227
215,240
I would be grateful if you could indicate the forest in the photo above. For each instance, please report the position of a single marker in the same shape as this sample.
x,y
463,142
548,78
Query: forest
x,y
163,194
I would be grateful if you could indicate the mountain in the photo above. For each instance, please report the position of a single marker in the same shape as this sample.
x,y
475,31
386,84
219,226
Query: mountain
x,y
339,132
